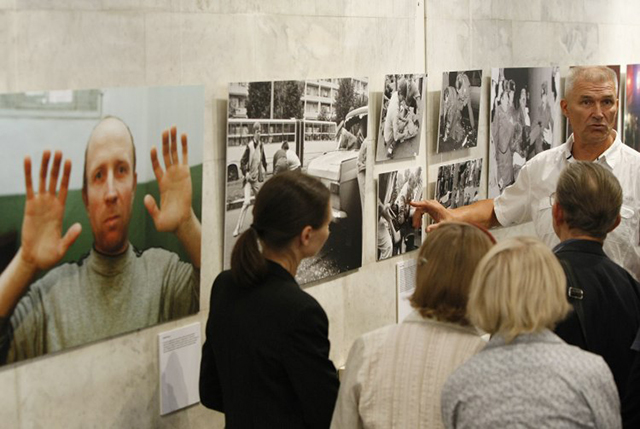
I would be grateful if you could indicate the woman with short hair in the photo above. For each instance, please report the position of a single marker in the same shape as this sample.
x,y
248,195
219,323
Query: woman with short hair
x,y
394,375
265,362
526,376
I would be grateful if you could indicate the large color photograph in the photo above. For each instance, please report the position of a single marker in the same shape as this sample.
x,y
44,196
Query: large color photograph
x,y
396,234
101,205
318,127
526,119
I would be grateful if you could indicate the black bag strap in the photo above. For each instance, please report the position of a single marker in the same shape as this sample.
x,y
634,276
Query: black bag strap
x,y
576,295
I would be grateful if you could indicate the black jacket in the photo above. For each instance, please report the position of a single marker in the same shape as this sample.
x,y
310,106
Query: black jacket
x,y
265,361
611,307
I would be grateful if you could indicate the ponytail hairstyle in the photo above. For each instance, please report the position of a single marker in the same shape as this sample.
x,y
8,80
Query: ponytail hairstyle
x,y
284,206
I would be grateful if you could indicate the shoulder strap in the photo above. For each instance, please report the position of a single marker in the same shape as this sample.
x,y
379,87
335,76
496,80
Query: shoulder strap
x,y
576,295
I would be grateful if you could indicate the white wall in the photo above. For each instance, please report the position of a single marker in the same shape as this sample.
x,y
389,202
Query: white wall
x,y
103,43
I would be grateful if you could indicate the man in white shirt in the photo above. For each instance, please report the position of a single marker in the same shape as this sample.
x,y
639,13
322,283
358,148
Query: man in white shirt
x,y
591,105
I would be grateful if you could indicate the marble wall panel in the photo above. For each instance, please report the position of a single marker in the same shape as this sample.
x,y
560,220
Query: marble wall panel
x,y
81,50
369,8
381,46
331,296
157,5
562,11
7,51
492,44
162,48
607,11
448,45
533,44
480,9
212,227
517,10
578,43
55,5
222,7
370,301
113,382
455,9
294,47
408,8
217,49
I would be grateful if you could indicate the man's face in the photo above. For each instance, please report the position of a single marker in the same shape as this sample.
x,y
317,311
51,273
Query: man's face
x,y
591,109
111,185
256,136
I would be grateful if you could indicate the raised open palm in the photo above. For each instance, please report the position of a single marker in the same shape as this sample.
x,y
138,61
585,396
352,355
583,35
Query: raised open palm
x,y
174,184
43,244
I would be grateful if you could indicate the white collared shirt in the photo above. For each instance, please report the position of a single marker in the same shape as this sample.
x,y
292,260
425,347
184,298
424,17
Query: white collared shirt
x,y
528,199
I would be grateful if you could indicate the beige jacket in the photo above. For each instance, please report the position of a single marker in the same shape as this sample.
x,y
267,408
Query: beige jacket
x,y
394,375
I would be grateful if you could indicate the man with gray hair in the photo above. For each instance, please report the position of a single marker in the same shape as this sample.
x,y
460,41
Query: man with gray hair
x,y
605,298
591,105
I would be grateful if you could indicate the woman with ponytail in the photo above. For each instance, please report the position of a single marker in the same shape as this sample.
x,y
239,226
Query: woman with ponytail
x,y
265,361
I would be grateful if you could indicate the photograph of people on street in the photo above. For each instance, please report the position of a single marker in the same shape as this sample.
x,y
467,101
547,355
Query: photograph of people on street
x,y
101,208
403,105
525,120
632,107
317,127
459,110
396,234
458,184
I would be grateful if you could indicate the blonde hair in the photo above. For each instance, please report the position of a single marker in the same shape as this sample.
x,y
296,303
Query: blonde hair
x,y
519,287
446,263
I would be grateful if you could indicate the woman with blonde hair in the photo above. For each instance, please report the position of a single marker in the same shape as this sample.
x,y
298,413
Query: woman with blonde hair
x,y
394,375
526,376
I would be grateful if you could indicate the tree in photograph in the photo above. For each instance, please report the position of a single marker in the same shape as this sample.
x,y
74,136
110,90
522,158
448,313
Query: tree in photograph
x,y
345,99
287,99
259,100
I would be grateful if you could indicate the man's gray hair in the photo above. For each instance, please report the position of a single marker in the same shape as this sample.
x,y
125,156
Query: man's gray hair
x,y
596,74
590,197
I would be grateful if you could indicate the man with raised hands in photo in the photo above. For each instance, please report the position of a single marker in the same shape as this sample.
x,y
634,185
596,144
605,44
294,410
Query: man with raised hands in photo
x,y
591,105
114,288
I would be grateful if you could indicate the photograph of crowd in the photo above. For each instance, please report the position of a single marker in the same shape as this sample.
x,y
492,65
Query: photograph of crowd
x,y
525,120
396,234
632,107
401,117
101,203
616,69
458,184
459,110
318,127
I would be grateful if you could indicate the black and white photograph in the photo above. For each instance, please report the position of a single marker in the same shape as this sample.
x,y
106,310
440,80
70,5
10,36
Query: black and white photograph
x,y
101,202
525,120
458,184
616,69
403,105
396,234
318,127
459,110
632,107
